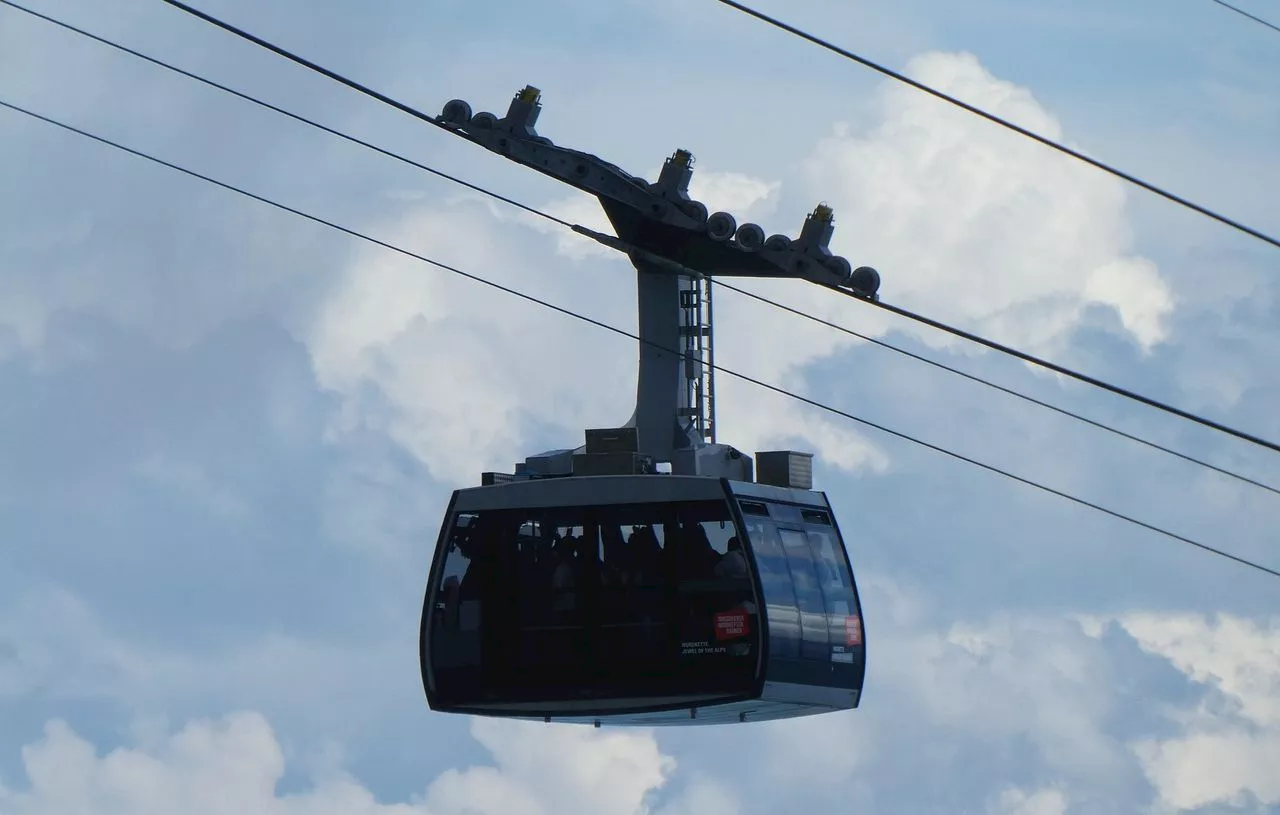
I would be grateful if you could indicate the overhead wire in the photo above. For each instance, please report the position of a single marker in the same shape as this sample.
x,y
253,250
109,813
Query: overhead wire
x,y
364,89
991,117
282,111
805,315
1059,369
622,332
306,63
1010,391
1244,13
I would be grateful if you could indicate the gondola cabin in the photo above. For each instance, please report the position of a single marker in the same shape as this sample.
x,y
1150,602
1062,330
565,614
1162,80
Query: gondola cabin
x,y
641,599
589,587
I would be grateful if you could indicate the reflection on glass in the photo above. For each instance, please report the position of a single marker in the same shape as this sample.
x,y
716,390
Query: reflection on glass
x,y
815,643
806,581
777,587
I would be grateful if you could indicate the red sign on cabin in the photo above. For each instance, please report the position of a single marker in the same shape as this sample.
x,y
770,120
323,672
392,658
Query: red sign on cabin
x,y
852,631
732,624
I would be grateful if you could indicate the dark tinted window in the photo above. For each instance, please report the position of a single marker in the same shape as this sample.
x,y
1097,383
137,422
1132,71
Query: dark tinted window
x,y
455,625
591,602
815,516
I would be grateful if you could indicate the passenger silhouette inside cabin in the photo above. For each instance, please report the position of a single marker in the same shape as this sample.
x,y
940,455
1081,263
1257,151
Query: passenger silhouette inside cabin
x,y
733,563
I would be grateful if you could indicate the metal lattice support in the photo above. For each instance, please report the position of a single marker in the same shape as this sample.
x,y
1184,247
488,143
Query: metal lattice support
x,y
698,336
709,379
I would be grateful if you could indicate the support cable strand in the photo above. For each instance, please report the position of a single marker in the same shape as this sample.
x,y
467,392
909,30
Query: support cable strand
x,y
1043,363
567,224
1017,394
902,312
621,332
1244,13
306,63
277,109
991,117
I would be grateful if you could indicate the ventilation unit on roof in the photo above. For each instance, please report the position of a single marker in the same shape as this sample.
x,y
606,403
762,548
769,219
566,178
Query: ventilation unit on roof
x,y
785,468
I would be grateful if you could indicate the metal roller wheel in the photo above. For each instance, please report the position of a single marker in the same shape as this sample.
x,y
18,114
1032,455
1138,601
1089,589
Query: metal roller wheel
x,y
695,210
840,267
865,279
721,226
456,112
750,236
778,243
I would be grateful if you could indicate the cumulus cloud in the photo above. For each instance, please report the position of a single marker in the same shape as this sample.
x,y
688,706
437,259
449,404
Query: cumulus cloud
x,y
1006,701
1205,768
235,765
704,796
970,223
1036,680
1038,802
1230,745
567,768
225,767
457,373
1239,657
991,701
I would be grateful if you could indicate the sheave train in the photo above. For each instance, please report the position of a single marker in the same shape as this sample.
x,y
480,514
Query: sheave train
x,y
651,575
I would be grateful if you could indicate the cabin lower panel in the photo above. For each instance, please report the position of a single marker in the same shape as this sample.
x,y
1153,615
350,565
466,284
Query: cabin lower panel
x,y
778,700
750,710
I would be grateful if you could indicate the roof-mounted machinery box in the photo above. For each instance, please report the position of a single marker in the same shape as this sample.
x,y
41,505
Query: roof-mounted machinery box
x,y
785,468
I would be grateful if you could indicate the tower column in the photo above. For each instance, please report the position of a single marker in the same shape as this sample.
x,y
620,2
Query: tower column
x,y
663,417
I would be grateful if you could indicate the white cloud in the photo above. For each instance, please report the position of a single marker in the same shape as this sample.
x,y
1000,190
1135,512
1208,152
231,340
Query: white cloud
x,y
1134,289
1204,768
1239,657
568,768
457,372
1033,678
235,765
941,694
226,767
1039,802
972,224
1221,755
987,698
746,197
704,796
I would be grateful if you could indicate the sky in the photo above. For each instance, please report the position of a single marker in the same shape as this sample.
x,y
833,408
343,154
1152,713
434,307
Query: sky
x,y
228,434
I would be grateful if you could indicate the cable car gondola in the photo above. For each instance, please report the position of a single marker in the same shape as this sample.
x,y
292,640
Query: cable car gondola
x,y
641,599
589,587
